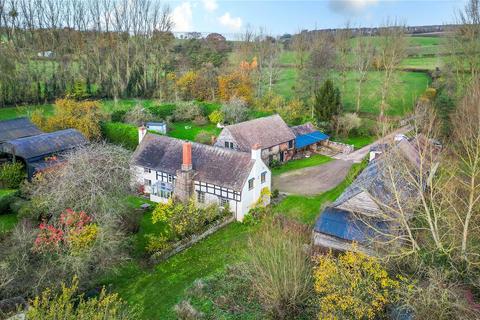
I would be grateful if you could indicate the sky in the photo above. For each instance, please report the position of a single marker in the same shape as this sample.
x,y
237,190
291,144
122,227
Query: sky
x,y
230,17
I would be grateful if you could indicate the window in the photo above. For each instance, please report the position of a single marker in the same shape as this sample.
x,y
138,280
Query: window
x,y
228,144
250,184
146,170
147,182
223,202
201,197
290,144
170,178
264,176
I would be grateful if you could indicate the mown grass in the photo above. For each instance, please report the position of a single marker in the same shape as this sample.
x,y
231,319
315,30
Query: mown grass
x,y
307,209
7,222
188,130
358,142
314,160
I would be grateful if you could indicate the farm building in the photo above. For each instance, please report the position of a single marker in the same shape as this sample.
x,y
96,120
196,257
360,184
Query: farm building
x,y
40,152
17,128
276,139
307,137
160,127
366,211
167,167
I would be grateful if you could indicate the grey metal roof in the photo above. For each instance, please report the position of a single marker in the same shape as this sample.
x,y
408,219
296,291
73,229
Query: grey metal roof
x,y
17,128
219,166
268,131
44,144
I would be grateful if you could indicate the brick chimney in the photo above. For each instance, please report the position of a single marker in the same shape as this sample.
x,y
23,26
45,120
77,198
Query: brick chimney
x,y
142,131
184,187
256,152
187,156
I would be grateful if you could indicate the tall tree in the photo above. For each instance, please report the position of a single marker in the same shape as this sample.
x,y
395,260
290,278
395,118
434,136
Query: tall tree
x,y
327,102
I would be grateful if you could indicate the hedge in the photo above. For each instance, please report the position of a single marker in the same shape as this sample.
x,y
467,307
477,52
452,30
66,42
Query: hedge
x,y
7,196
122,134
162,111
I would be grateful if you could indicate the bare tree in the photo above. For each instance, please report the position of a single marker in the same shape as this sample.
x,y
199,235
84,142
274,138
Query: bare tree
x,y
391,51
362,61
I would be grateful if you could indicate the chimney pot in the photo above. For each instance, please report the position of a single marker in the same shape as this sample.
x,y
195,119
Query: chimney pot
x,y
187,156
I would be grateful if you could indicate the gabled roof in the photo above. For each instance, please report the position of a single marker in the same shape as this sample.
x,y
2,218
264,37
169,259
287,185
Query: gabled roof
x,y
268,131
302,129
17,128
344,225
44,144
219,166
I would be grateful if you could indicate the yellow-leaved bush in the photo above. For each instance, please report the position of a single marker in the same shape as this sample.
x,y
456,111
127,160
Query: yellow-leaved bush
x,y
352,286
83,239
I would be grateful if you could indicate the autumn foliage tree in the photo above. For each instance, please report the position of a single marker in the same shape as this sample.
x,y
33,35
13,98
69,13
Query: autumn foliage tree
x,y
85,116
238,83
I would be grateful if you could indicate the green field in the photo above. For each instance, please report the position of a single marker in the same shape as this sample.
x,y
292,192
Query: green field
x,y
358,142
408,87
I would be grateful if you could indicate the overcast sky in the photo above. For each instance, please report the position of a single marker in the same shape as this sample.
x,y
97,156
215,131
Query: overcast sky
x,y
288,16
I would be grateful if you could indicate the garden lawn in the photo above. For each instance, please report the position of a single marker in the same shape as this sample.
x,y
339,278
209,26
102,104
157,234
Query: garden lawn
x,y
24,111
156,291
358,142
307,209
7,222
188,130
314,160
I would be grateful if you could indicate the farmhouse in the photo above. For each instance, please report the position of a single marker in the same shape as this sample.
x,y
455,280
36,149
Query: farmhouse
x,y
365,212
275,138
166,167
42,151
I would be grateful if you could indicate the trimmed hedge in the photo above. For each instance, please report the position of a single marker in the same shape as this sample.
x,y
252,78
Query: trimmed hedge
x,y
122,134
7,196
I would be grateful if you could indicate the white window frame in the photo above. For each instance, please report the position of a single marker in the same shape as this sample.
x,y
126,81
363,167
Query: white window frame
x,y
263,177
200,197
252,186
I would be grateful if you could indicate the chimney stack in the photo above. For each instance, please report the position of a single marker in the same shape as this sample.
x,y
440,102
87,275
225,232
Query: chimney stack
x,y
187,156
256,152
142,131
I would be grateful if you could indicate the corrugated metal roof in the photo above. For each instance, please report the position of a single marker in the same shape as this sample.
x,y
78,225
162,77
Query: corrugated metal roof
x,y
44,144
344,225
17,128
310,138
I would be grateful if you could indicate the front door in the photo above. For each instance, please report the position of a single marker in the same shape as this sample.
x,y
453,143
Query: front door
x,y
281,156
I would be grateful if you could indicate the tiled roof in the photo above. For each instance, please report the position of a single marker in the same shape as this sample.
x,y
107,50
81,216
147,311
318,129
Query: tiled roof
x,y
219,166
17,128
302,129
268,131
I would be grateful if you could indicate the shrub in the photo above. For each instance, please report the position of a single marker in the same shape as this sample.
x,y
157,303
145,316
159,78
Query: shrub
x,y
162,111
352,286
7,198
200,121
348,122
138,116
216,117
187,111
122,134
280,271
185,311
204,137
11,175
68,304
118,115
235,111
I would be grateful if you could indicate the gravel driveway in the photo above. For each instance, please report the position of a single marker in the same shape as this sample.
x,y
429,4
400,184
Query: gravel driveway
x,y
313,180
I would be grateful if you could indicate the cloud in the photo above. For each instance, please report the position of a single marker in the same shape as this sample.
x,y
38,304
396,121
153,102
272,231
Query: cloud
x,y
210,5
233,23
182,17
350,7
